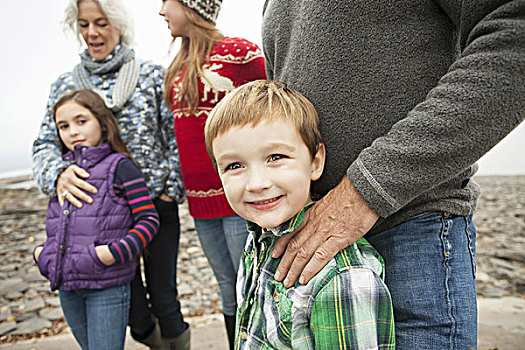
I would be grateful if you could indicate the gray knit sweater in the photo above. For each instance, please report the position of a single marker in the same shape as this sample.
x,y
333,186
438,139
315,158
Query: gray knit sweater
x,y
410,92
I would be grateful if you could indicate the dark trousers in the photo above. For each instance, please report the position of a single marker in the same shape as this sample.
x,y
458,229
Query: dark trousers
x,y
158,298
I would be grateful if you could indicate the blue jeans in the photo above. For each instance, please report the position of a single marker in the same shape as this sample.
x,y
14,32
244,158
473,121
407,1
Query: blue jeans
x,y
97,317
158,298
430,272
223,240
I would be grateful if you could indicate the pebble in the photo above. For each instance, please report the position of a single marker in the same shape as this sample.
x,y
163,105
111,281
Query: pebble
x,y
27,305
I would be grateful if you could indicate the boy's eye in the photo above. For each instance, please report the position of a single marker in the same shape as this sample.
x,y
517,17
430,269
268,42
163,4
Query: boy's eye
x,y
232,166
81,121
62,127
276,157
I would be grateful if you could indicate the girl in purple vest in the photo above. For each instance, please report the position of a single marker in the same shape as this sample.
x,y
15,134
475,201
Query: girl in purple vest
x,y
89,254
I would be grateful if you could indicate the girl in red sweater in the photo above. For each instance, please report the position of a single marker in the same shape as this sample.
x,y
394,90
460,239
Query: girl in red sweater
x,y
208,66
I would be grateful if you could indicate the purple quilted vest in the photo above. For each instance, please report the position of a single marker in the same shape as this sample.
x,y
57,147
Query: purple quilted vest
x,y
69,259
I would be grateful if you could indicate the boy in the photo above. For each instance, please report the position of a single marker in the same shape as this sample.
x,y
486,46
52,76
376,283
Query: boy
x,y
264,141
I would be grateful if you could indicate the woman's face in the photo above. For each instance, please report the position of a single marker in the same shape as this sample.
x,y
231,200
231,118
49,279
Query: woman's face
x,y
100,35
173,13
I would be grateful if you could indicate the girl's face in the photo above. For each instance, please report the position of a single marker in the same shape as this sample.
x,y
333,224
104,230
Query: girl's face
x,y
173,13
77,126
99,34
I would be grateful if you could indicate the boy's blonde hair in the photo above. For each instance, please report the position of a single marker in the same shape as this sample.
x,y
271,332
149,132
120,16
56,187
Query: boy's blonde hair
x,y
264,101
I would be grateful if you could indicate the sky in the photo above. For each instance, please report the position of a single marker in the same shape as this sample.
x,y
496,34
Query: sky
x,y
37,50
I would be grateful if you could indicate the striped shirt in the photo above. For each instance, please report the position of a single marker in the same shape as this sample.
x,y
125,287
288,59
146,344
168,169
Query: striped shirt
x,y
130,187
345,306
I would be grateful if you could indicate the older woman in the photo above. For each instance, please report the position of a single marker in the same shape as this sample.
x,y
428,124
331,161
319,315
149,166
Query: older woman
x,y
133,89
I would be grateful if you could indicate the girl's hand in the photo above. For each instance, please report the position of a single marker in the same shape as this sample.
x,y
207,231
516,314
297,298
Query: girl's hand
x,y
71,186
37,252
104,255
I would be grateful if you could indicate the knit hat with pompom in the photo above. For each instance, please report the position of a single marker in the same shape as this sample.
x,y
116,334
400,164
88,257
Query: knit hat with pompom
x,y
208,9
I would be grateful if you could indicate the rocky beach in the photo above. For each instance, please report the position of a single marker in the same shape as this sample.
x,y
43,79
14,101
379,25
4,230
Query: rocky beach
x,y
28,309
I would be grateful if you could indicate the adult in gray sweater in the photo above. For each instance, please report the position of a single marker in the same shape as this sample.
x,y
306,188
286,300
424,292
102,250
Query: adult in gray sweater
x,y
410,94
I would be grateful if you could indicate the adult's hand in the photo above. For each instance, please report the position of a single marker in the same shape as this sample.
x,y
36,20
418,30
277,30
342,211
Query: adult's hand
x,y
339,219
72,184
164,197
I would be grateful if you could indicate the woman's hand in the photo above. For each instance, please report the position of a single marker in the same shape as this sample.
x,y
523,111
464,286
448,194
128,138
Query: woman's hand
x,y
104,255
37,251
71,186
339,219
165,198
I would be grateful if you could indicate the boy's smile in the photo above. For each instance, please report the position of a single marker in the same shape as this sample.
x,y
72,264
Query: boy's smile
x,y
266,170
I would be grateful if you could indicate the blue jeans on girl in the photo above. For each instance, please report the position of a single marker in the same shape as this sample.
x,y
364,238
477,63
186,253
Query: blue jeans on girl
x,y
430,271
97,317
223,240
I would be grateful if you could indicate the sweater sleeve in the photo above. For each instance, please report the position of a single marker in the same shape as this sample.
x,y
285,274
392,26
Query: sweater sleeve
x,y
173,187
473,107
46,154
130,187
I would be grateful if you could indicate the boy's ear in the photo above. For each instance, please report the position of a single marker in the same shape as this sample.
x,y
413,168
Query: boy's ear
x,y
318,163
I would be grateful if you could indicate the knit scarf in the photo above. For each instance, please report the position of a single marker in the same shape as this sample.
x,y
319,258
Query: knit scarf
x,y
123,62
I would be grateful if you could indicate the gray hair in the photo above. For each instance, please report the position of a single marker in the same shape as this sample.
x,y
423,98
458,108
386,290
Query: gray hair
x,y
117,14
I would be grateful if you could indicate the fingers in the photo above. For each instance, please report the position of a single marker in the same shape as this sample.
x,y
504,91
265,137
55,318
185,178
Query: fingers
x,y
321,257
71,186
300,251
280,246
164,197
81,183
334,222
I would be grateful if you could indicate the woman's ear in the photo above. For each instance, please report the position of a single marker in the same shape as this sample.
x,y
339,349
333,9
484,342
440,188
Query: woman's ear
x,y
318,163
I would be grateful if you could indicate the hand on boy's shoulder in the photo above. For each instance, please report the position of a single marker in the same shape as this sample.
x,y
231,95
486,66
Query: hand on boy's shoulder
x,y
337,220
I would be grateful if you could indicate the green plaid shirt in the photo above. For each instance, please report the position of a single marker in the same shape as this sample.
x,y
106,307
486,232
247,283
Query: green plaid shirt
x,y
345,306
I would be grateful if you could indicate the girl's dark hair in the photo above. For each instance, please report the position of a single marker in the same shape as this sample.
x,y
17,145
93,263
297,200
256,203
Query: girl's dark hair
x,y
96,105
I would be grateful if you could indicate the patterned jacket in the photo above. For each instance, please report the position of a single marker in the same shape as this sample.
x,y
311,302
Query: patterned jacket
x,y
146,126
345,306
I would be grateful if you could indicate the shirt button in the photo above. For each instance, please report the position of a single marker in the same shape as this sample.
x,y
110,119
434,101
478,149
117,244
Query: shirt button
x,y
276,296
84,161
244,336
83,149
66,212
61,247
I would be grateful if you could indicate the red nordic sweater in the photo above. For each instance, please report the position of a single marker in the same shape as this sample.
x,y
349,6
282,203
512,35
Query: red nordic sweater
x,y
233,62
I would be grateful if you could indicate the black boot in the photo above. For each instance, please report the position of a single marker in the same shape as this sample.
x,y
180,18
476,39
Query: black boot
x,y
180,342
230,329
153,339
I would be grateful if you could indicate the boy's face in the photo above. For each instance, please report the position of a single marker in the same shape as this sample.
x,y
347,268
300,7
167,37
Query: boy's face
x,y
266,171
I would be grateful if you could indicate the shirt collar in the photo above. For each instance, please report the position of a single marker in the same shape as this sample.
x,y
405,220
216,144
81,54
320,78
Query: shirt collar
x,y
285,228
